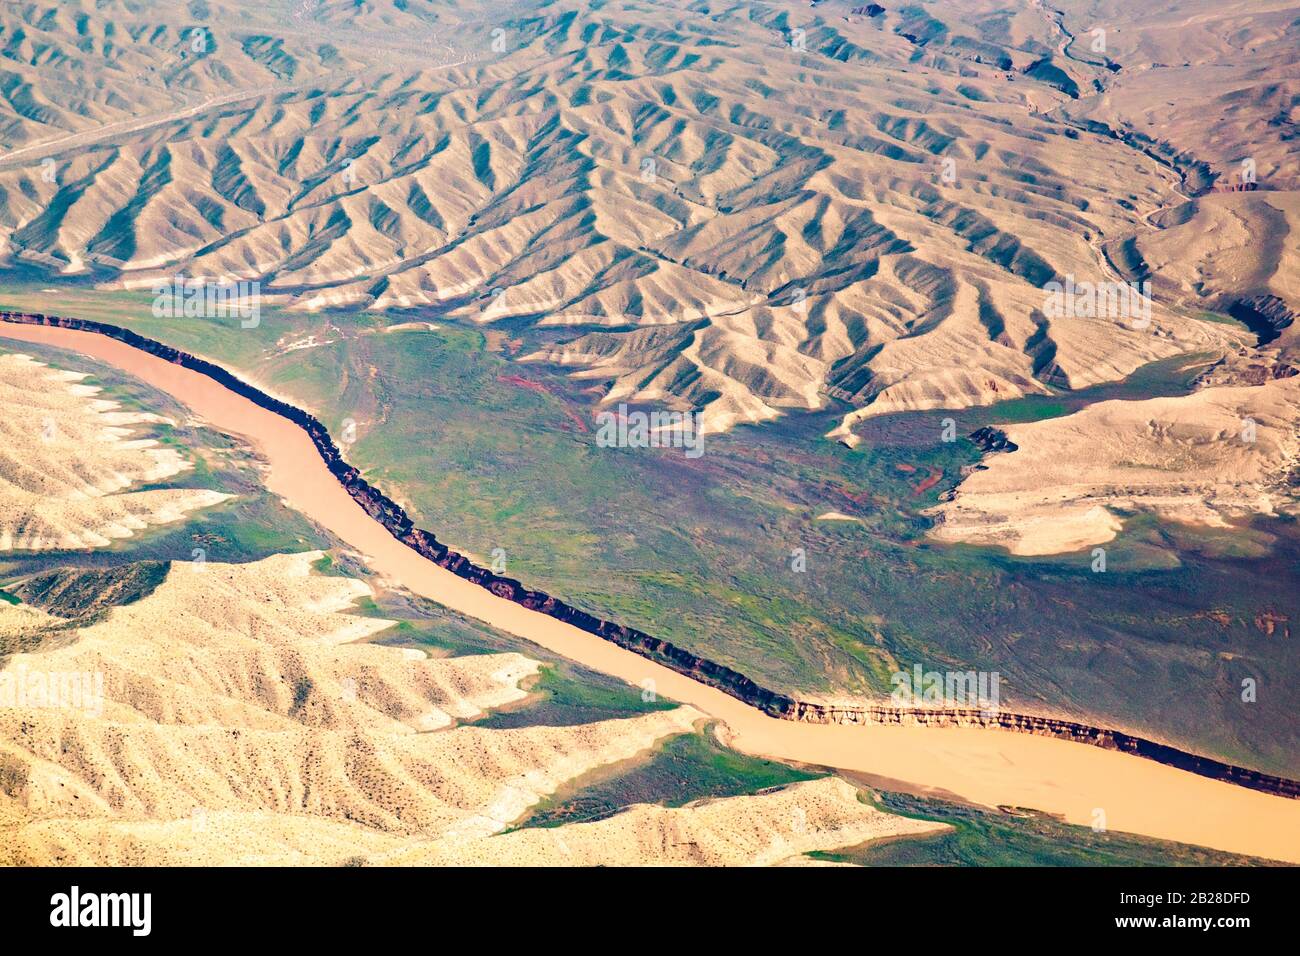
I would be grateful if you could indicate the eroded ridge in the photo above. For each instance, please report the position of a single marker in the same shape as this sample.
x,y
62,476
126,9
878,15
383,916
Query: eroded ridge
x,y
238,714
68,462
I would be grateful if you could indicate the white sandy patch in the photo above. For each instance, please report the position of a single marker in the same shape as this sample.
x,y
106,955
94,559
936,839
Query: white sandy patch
x,y
413,327
1217,454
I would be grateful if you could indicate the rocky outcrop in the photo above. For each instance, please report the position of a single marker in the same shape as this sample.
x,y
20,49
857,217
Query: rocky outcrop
x,y
990,439
388,513
1235,186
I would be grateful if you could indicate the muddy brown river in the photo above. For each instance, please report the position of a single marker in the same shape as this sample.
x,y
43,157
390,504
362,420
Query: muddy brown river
x,y
1079,783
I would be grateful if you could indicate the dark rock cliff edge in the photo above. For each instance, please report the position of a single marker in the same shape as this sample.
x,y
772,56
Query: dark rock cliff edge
x,y
384,510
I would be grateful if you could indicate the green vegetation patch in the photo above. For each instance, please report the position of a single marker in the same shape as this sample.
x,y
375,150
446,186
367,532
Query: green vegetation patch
x,y
683,769
564,696
1021,838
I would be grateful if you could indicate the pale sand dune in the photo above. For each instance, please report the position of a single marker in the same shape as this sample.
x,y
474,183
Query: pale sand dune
x,y
1186,459
986,767
773,828
17,621
67,458
227,691
201,839
468,781
956,364
1224,247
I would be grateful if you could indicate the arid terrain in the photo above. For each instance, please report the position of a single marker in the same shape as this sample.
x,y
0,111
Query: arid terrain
x,y
740,206
983,312
243,723
69,462
245,689
239,713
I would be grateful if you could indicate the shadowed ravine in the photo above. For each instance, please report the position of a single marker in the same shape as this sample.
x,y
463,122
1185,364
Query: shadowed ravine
x,y
398,524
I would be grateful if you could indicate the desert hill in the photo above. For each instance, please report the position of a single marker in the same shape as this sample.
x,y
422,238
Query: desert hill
x,y
744,210
1217,454
240,720
69,460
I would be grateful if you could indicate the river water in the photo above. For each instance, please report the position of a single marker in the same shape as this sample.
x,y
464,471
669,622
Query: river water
x,y
1080,783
